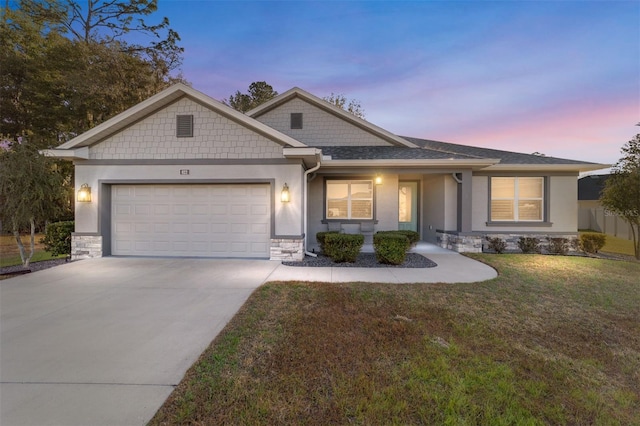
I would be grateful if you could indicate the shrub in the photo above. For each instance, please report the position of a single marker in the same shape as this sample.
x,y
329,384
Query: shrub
x,y
529,244
343,247
558,245
391,247
412,236
497,244
592,242
320,238
57,239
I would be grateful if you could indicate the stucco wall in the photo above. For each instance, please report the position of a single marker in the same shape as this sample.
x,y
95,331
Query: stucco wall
x,y
319,127
563,206
440,204
386,208
214,137
288,216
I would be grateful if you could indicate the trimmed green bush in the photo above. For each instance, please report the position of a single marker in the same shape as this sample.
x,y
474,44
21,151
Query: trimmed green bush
x,y
592,242
57,239
320,237
390,247
412,236
558,245
497,244
529,244
343,247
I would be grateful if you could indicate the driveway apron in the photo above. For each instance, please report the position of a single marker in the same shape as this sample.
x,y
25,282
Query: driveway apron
x,y
105,341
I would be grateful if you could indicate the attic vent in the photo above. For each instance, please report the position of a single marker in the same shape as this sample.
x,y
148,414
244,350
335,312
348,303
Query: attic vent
x,y
296,120
184,126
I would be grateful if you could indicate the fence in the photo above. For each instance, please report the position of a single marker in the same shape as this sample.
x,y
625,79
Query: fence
x,y
602,220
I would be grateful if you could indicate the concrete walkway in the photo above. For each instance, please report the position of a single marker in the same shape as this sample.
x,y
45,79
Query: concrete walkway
x,y
105,341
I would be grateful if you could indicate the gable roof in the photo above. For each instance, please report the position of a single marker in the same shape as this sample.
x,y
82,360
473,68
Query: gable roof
x,y
161,100
296,92
590,187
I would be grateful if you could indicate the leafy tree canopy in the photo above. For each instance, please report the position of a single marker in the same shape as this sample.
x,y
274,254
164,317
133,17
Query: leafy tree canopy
x,y
259,92
621,194
32,191
67,67
352,106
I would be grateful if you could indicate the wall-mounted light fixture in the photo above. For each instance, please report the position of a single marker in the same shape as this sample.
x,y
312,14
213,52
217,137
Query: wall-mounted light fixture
x,y
378,179
84,194
284,195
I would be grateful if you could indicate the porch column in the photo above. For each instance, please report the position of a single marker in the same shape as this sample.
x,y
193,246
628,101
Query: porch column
x,y
465,202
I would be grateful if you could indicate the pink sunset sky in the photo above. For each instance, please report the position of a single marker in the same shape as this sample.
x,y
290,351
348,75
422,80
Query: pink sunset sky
x,y
557,77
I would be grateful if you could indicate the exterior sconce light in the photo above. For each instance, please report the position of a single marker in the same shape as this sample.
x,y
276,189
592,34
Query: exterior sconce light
x,y
84,194
284,195
378,180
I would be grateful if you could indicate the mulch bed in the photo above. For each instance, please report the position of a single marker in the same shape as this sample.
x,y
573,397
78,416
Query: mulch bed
x,y
10,271
364,260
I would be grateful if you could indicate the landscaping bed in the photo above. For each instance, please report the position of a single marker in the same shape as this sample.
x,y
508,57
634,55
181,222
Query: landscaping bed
x,y
364,260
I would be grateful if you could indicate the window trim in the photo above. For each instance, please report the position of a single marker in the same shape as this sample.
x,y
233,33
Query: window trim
x,y
544,222
349,180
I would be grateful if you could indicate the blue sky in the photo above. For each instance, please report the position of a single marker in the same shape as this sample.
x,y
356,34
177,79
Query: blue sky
x,y
557,77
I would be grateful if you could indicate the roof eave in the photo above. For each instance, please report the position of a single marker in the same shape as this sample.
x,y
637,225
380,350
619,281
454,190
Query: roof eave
x,y
67,154
475,164
579,167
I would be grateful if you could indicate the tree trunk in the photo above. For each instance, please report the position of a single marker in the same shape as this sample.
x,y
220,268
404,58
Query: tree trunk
x,y
16,234
33,242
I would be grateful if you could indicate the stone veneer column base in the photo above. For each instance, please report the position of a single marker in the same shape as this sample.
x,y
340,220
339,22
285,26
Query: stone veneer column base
x,y
86,246
287,249
460,243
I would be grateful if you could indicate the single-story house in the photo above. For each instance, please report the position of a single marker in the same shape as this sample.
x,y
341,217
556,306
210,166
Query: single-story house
x,y
182,174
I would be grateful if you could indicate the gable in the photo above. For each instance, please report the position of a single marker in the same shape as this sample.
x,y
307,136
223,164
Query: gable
x,y
214,137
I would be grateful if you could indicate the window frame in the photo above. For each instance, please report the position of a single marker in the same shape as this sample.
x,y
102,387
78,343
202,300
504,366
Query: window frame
x,y
543,221
349,181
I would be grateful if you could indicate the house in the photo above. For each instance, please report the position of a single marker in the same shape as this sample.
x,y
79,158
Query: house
x,y
181,174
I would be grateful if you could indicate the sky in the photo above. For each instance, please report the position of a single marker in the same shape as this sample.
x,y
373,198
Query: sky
x,y
557,77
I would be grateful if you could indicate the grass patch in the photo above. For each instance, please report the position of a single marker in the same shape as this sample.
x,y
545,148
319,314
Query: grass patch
x,y
552,340
10,255
616,245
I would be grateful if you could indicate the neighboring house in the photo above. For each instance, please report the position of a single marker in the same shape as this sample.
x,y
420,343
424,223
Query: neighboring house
x,y
181,174
592,215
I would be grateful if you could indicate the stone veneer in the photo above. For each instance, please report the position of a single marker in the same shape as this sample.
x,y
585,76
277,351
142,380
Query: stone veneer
x,y
287,249
478,243
86,246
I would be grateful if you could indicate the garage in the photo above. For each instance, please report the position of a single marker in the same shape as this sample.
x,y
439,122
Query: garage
x,y
191,220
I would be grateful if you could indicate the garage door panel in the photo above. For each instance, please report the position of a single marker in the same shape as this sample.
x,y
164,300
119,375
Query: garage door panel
x,y
191,220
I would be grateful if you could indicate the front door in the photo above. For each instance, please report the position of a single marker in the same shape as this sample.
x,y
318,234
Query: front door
x,y
408,206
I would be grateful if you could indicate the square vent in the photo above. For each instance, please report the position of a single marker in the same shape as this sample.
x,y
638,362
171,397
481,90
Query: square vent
x,y
184,126
296,120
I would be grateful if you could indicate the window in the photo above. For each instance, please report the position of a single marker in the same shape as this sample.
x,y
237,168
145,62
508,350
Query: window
x,y
349,199
517,199
184,126
296,120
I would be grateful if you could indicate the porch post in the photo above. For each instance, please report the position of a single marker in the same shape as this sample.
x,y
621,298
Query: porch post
x,y
465,202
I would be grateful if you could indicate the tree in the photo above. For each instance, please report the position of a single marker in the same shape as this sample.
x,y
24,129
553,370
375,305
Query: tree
x,y
259,93
67,68
352,106
31,192
621,194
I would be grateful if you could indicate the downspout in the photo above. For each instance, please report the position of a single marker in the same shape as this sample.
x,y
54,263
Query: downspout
x,y
456,178
304,201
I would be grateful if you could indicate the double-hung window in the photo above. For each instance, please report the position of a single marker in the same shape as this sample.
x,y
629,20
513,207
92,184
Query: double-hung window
x,y
517,199
349,199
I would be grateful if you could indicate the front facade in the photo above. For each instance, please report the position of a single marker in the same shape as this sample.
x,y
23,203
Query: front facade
x,y
183,175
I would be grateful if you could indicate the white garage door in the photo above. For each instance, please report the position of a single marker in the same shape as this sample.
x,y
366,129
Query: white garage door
x,y
191,220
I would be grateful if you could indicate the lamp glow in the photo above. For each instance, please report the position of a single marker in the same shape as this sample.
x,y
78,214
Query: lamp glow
x,y
378,179
284,195
84,194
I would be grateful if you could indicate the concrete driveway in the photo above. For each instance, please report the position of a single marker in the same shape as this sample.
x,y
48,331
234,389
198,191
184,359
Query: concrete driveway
x,y
104,341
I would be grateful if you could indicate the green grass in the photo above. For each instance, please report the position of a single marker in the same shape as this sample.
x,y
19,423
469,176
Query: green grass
x,y
616,245
552,340
10,256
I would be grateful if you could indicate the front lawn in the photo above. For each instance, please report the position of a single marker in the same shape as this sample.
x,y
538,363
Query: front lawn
x,y
552,340
10,255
